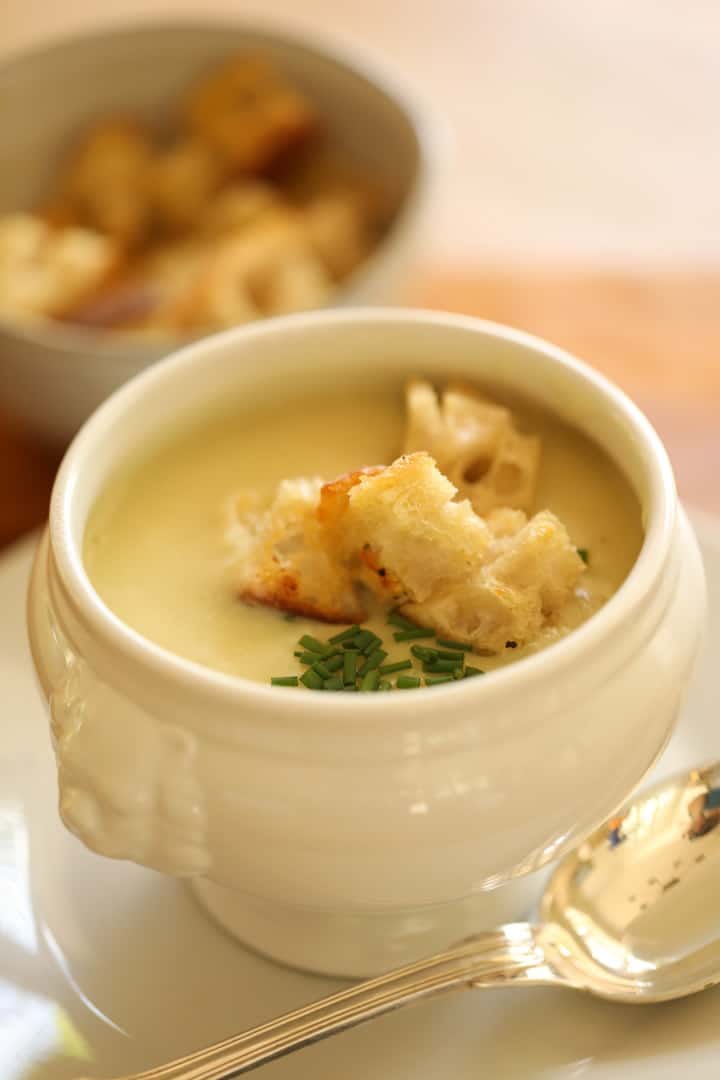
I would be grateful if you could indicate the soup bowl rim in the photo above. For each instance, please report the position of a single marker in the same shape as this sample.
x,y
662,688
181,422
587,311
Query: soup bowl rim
x,y
545,667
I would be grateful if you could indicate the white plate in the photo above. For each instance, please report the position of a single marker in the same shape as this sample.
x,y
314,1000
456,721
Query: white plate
x,y
107,968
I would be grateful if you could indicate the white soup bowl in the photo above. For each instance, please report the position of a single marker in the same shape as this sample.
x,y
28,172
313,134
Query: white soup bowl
x,y
343,833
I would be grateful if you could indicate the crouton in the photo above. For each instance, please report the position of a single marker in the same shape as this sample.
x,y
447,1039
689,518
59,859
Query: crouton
x,y
524,585
249,114
181,182
106,180
46,271
281,557
406,516
476,445
400,532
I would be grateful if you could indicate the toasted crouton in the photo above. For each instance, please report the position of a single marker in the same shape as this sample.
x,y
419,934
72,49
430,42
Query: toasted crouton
x,y
106,180
525,584
47,271
476,445
452,571
282,558
407,516
399,531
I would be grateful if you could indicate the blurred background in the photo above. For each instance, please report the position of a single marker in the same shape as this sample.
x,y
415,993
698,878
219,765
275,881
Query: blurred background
x,y
577,192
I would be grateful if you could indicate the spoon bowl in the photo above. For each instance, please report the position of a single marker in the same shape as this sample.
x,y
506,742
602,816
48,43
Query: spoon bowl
x,y
631,915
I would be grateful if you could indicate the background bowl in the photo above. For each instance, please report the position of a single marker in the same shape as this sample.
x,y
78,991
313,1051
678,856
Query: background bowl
x,y
52,376
347,835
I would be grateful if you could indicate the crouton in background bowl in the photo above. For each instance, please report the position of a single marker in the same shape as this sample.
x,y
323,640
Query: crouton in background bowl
x,y
344,832
320,141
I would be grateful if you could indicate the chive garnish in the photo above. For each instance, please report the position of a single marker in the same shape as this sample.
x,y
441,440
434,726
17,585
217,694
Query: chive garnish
x,y
350,689
308,657
411,635
312,680
334,663
284,680
584,555
385,684
370,681
470,671
448,644
323,671
374,660
349,664
374,643
401,665
423,653
434,680
313,645
407,682
336,639
396,619
445,654
363,638
442,665
334,683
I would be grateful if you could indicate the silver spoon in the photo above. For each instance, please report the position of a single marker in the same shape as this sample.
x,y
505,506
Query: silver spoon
x,y
632,914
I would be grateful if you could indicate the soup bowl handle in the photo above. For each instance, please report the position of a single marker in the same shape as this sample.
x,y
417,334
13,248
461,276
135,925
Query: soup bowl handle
x,y
128,782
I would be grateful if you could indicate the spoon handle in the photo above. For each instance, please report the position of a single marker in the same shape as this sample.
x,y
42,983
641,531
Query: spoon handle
x,y
487,959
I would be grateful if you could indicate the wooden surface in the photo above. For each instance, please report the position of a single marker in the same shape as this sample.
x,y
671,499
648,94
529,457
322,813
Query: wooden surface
x,y
657,335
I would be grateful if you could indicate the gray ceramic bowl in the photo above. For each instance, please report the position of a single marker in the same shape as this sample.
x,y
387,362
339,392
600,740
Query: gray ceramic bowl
x,y
53,376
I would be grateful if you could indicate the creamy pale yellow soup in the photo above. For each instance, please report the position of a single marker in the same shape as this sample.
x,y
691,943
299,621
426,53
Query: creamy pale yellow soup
x,y
156,552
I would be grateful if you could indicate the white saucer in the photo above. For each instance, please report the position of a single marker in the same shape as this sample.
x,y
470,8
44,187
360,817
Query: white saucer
x,y
106,968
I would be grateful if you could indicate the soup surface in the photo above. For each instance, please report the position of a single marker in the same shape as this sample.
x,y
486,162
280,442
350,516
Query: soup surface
x,y
155,546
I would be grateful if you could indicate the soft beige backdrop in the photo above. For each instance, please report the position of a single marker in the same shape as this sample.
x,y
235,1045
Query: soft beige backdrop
x,y
582,130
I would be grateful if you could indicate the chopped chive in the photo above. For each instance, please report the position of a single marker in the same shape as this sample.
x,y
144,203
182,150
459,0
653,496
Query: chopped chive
x,y
407,682
374,660
350,644
349,666
312,680
396,619
284,680
584,555
459,673
370,681
470,671
441,665
401,665
312,643
308,657
385,684
411,635
350,689
334,663
335,683
336,639
299,653
363,638
448,644
323,671
423,653
444,654
374,643
434,680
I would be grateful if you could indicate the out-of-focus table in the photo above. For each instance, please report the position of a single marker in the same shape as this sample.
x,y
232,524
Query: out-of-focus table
x,y
657,335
